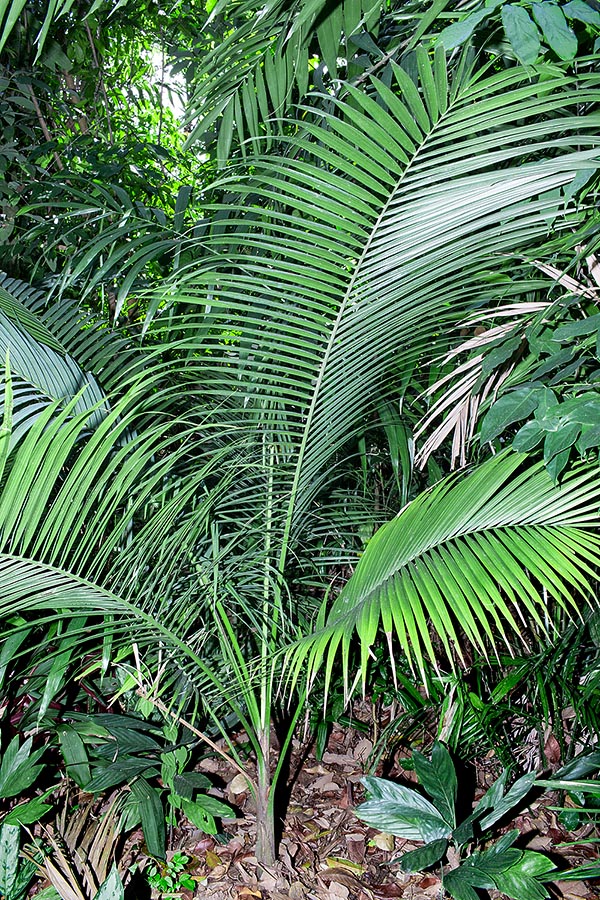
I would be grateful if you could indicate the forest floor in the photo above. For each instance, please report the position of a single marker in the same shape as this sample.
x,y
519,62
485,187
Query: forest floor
x,y
327,853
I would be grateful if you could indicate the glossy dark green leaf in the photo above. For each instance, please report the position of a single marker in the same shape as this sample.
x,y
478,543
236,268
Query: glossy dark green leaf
x,y
213,806
462,881
508,409
407,822
557,441
581,11
19,768
459,32
522,879
399,810
437,775
502,803
189,782
528,436
30,812
584,764
121,771
557,33
558,464
75,754
589,325
499,355
521,32
10,839
112,887
424,857
152,816
200,817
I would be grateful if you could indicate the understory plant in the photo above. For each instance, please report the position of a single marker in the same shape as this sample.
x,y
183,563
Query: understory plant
x,y
466,853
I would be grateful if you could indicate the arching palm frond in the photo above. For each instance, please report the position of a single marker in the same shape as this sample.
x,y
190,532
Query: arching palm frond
x,y
350,256
58,353
474,557
343,261
252,79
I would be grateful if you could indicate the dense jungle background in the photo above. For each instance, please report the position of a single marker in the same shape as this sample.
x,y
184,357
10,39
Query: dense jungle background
x,y
299,483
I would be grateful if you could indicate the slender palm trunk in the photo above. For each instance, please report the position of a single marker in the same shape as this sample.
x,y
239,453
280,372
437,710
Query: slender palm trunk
x,y
265,813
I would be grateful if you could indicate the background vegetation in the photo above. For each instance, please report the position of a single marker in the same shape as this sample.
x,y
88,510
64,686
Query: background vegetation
x,y
272,273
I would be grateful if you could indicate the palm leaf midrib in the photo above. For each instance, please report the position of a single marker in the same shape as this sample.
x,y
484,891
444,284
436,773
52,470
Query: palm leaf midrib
x,y
336,327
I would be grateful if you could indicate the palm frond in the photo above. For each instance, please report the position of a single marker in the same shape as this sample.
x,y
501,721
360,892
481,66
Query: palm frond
x,y
253,77
329,274
329,271
474,557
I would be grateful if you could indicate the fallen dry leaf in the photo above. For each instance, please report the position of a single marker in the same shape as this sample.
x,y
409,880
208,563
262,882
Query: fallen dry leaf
x,y
363,750
324,783
352,867
389,890
356,845
383,841
239,784
338,890
573,890
552,751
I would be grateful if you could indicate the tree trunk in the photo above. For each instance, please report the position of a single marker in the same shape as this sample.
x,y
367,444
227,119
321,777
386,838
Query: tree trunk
x,y
265,814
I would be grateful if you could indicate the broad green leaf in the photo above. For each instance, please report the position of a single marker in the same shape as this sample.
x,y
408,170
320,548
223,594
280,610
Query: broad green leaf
x,y
557,464
505,803
10,836
521,32
552,22
10,646
581,11
438,777
424,857
408,822
152,816
582,765
396,809
462,881
567,332
111,888
18,769
74,754
581,410
200,817
499,355
186,784
456,34
213,806
120,771
528,436
557,441
521,879
508,409
30,812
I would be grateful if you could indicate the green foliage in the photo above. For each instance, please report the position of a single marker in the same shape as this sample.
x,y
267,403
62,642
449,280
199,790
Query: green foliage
x,y
167,495
464,524
111,888
172,875
107,750
15,873
531,29
405,812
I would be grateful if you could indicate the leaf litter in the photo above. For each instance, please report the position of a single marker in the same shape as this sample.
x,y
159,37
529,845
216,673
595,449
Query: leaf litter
x,y
325,852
